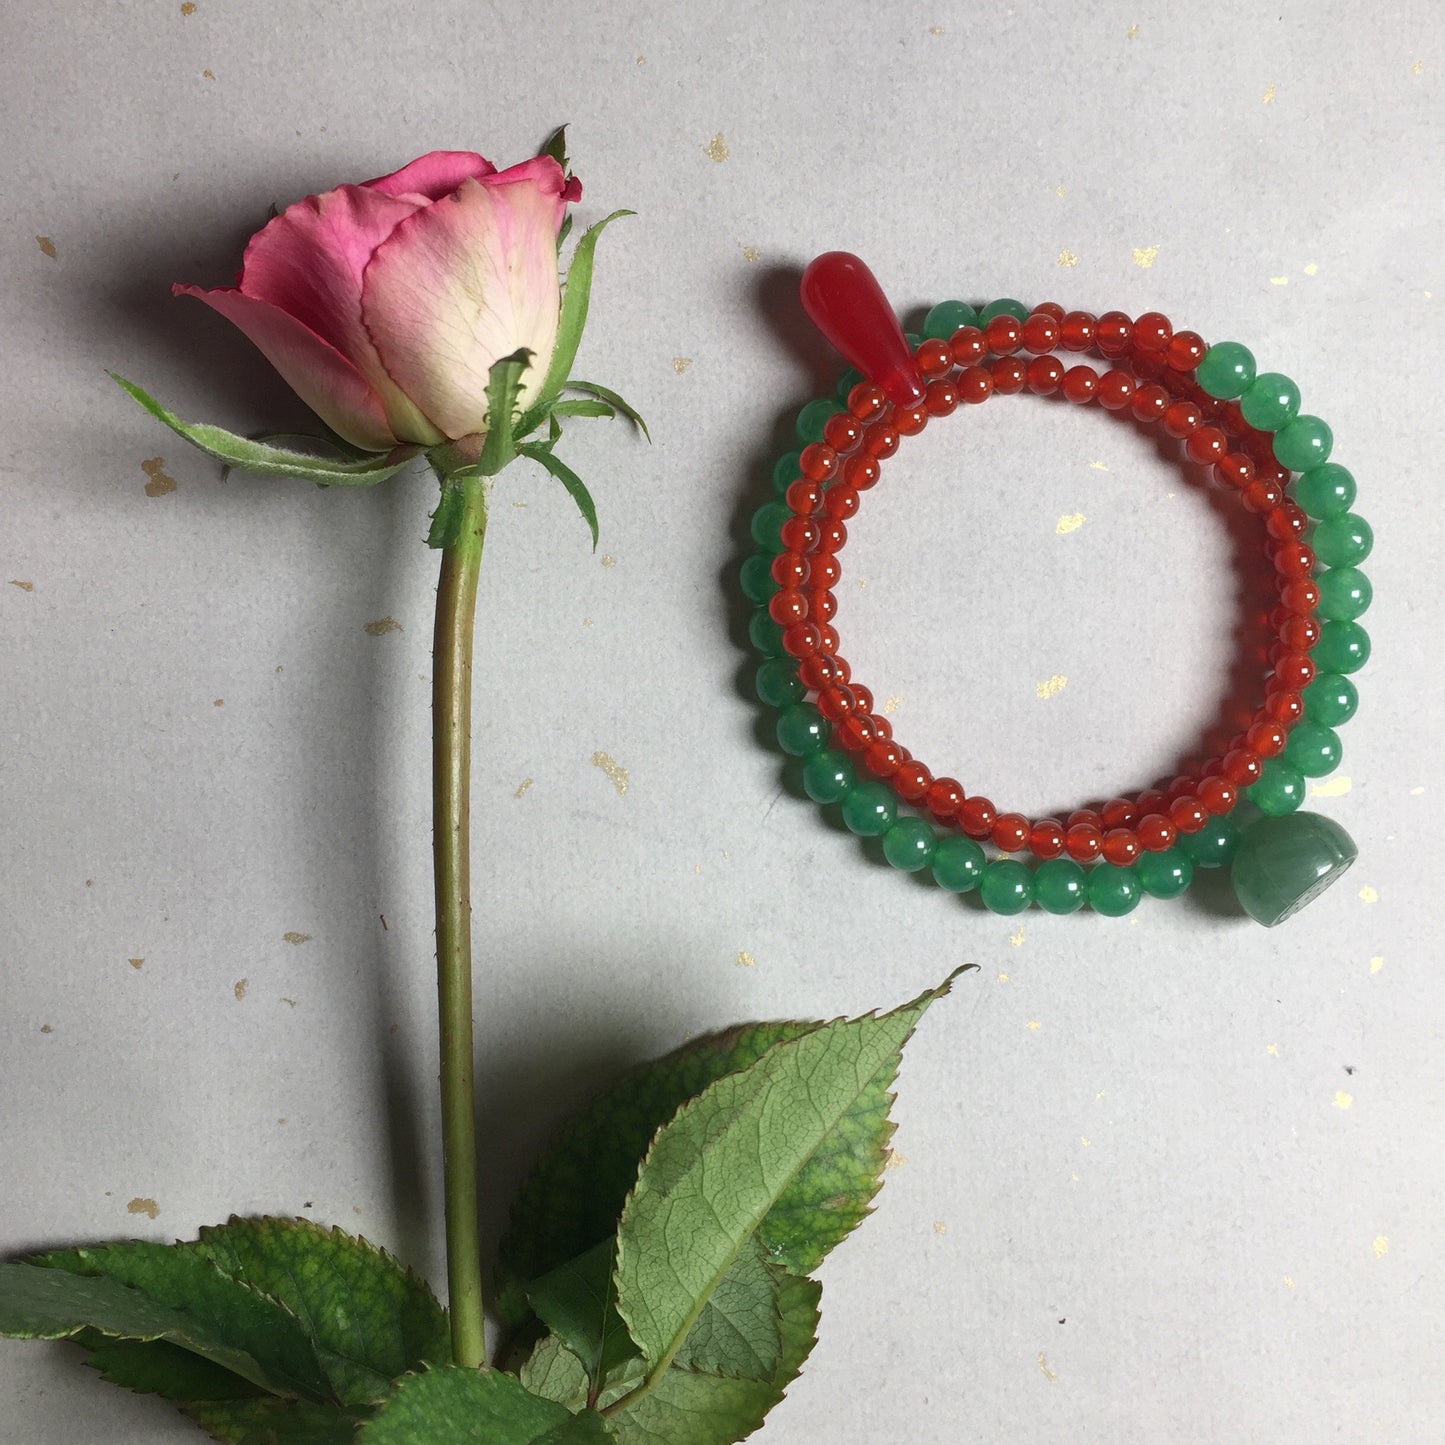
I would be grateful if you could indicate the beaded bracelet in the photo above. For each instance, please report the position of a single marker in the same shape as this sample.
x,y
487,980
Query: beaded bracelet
x,y
1245,426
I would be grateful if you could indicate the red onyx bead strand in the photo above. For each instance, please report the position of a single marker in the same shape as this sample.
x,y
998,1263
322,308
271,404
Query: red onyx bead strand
x,y
1152,385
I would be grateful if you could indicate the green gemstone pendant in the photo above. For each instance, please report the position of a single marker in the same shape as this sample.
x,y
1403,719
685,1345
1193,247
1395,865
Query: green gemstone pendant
x,y
1285,862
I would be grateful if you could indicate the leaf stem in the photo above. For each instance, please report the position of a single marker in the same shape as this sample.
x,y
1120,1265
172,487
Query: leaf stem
x,y
451,805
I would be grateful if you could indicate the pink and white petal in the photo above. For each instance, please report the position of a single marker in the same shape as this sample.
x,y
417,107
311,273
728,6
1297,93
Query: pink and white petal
x,y
434,175
309,262
547,176
460,285
324,379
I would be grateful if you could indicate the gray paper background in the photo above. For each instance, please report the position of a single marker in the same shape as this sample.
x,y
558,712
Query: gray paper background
x,y
1167,1178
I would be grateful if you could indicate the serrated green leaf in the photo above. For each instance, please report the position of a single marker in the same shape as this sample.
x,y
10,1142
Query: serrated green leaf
x,y
155,1367
555,1373
737,1330
582,408
572,1198
711,1409
446,521
613,400
152,1292
275,1422
715,1171
572,320
576,1302
576,487
457,1406
243,454
504,380
369,1317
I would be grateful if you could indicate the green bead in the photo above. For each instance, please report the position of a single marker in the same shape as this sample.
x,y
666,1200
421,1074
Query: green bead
x,y
1327,490
1004,306
785,471
778,683
1280,789
802,729
1166,874
1060,886
828,776
814,417
1284,863
1342,541
755,577
1303,443
946,318
1270,401
1114,891
765,634
1007,886
957,863
1212,846
1343,647
909,844
767,525
1227,370
1313,749
1345,592
1331,699
849,379
870,809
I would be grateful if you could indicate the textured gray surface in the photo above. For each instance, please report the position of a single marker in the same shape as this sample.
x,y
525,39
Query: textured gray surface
x,y
1167,1178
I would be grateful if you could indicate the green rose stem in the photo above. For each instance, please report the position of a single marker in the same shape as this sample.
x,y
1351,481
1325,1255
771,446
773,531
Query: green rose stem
x,y
451,803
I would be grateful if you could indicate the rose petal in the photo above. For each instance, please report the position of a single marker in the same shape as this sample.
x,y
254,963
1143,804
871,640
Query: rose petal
x,y
308,262
434,175
324,379
547,175
464,283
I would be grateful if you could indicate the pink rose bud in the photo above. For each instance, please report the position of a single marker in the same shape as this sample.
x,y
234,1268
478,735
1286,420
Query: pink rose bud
x,y
384,305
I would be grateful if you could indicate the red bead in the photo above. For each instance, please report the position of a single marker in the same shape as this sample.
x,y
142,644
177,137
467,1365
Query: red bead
x,y
934,359
1010,832
1300,594
912,781
976,816
802,639
1080,384
791,569
836,703
1265,738
1046,838
1156,833
867,401
1295,670
882,728
944,798
822,604
1284,708
1116,390
820,671
864,697
1150,402
1153,800
975,384
855,732
1180,787
1234,469
1185,350
1181,418
1287,523
1119,813
1242,766
1121,847
818,462
842,432
824,570
1152,332
880,440
1114,335
1188,814
800,534
1049,308
910,420
1010,373
1261,495
968,346
1206,446
1083,842
1045,375
941,398
860,473
1041,333
828,639
1299,634
787,607
803,496
1076,331
1085,815
1004,335
882,758
1218,795
1293,559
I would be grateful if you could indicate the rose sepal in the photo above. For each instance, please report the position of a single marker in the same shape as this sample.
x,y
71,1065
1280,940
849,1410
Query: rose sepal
x,y
244,454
